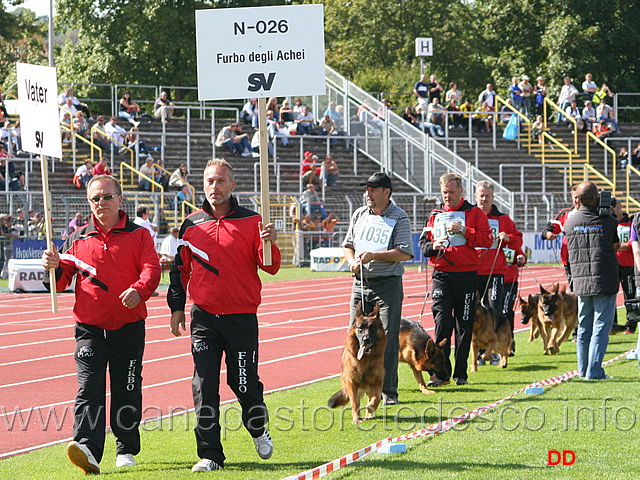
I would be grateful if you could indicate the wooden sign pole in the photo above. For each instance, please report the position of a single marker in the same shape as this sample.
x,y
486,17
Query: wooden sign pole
x,y
49,229
264,174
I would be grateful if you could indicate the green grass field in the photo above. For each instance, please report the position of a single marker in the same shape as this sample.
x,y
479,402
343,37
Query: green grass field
x,y
596,420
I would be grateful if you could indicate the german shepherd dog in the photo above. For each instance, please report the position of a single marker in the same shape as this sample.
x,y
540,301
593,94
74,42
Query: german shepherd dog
x,y
558,312
362,364
529,313
418,349
485,335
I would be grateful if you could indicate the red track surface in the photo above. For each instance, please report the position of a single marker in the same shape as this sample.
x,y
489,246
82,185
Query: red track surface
x,y
302,328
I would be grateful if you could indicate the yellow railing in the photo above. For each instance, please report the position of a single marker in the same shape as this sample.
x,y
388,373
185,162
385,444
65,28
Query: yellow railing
x,y
115,142
132,170
183,207
561,146
613,157
556,108
628,198
523,120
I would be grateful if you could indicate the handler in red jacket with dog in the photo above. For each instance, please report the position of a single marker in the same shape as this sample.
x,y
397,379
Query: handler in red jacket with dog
x,y
449,239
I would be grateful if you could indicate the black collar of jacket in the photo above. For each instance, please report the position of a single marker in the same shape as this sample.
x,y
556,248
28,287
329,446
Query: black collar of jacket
x,y
206,206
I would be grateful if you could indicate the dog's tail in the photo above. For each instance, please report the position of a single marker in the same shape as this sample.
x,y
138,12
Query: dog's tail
x,y
338,399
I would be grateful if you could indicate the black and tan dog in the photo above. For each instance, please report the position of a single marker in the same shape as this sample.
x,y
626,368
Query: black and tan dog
x,y
529,313
558,312
489,337
418,349
362,364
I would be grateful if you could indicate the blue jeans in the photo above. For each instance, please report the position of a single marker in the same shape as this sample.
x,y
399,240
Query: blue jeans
x,y
595,315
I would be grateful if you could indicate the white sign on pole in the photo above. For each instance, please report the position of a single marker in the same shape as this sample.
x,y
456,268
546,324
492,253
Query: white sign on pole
x,y
260,52
39,116
424,47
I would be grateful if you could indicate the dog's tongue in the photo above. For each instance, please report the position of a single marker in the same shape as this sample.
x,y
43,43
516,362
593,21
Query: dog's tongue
x,y
361,352
550,318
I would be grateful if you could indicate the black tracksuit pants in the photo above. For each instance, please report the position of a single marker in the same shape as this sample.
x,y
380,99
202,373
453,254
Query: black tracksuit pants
x,y
454,308
122,351
237,336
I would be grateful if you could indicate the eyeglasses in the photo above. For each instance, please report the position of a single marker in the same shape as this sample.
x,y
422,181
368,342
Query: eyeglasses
x,y
106,198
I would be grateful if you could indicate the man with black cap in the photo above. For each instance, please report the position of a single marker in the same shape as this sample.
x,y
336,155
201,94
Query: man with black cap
x,y
378,241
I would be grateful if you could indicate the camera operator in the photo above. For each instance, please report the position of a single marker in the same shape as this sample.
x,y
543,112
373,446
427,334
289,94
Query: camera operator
x,y
592,241
625,266
635,246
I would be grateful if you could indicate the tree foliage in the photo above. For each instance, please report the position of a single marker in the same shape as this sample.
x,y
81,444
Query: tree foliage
x,y
371,42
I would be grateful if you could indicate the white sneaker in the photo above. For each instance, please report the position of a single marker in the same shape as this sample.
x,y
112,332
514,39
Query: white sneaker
x,y
205,465
125,460
81,457
246,153
264,445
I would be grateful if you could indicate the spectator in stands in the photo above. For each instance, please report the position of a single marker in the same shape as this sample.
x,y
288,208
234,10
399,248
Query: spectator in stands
x,y
68,107
233,138
366,116
308,170
336,116
605,112
100,137
329,224
567,95
76,222
249,112
136,144
80,125
485,120
305,122
588,116
102,167
286,113
537,130
163,107
66,125
467,106
169,246
116,132
178,177
147,170
129,109
161,174
589,87
572,111
311,202
635,155
455,120
272,104
602,129
8,228
601,94
515,92
297,107
435,112
623,156
36,225
527,89
184,195
541,92
77,104
505,111
19,221
327,127
488,96
435,89
142,219
83,174
7,169
410,117
434,130
421,91
330,171
275,130
453,93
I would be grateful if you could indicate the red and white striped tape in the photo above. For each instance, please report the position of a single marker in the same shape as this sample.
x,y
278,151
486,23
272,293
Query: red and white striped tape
x,y
434,429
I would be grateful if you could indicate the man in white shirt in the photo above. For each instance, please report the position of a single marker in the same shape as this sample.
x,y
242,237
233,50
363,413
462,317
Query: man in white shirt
x,y
115,132
169,246
567,95
589,87
142,219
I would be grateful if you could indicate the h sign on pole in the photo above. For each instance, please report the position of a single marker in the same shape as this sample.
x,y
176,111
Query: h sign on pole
x,y
424,47
40,127
261,52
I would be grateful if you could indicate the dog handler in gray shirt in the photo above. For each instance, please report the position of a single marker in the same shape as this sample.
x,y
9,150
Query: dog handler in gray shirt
x,y
378,241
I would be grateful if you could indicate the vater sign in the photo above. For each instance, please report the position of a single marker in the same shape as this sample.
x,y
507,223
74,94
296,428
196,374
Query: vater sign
x,y
260,52
39,117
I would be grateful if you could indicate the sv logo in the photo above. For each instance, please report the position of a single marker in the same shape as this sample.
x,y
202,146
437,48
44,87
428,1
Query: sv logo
x,y
259,81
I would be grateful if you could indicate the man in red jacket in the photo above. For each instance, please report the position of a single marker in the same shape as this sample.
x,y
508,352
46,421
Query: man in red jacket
x,y
218,260
118,270
449,239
